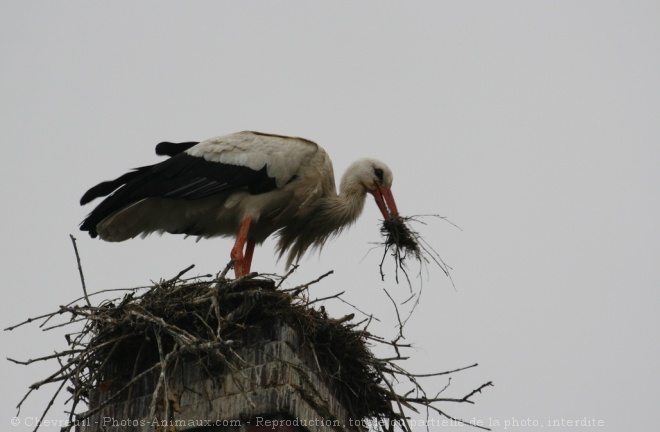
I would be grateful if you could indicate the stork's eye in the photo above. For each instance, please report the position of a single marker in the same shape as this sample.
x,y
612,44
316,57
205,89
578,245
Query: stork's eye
x,y
379,173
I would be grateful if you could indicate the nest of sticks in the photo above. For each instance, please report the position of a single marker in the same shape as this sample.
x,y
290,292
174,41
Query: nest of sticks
x,y
148,330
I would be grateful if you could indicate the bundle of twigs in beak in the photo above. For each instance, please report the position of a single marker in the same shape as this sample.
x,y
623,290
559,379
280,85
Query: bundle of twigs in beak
x,y
403,242
399,236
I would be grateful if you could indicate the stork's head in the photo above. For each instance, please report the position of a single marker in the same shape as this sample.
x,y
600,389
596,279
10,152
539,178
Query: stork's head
x,y
376,178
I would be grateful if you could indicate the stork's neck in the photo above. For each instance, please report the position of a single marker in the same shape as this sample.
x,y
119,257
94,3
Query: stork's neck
x,y
335,212
345,207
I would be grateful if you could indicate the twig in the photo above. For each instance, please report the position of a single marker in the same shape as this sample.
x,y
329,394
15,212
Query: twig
x,y
224,271
369,316
398,317
303,287
50,404
178,276
293,268
477,390
82,277
446,372
325,298
48,357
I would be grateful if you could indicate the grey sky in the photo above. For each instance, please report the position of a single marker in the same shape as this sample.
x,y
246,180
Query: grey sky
x,y
531,125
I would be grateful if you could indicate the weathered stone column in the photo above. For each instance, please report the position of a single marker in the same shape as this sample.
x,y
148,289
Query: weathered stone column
x,y
274,385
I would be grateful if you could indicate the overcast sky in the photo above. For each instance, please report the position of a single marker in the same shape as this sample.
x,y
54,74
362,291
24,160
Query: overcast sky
x,y
534,126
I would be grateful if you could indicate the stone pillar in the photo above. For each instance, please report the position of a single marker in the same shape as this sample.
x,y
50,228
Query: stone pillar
x,y
274,384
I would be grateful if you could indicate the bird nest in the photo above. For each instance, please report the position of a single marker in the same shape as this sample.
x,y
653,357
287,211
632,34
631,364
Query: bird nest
x,y
149,330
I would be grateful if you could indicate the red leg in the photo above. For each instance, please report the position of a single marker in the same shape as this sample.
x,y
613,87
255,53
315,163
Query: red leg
x,y
249,251
237,251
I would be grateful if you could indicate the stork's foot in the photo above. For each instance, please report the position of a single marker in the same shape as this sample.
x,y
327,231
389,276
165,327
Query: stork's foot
x,y
239,269
239,264
242,263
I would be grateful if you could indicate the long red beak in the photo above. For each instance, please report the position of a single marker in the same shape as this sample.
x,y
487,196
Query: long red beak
x,y
385,201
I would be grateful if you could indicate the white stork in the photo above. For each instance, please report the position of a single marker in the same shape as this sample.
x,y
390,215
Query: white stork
x,y
248,185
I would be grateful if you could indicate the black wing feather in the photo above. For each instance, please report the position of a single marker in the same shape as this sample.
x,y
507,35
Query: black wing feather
x,y
182,176
173,149
107,187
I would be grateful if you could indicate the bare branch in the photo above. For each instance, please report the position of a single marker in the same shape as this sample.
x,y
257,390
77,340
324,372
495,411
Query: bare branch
x,y
80,270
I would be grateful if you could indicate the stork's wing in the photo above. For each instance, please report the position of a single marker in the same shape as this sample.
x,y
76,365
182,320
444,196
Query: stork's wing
x,y
254,162
106,188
